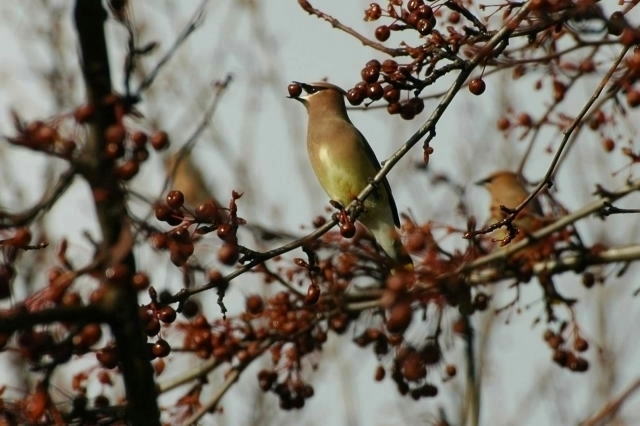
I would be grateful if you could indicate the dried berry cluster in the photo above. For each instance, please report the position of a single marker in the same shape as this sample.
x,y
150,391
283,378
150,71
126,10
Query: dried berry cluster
x,y
563,356
189,226
124,148
389,79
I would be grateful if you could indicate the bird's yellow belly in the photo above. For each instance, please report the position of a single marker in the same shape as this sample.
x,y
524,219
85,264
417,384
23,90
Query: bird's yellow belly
x,y
342,182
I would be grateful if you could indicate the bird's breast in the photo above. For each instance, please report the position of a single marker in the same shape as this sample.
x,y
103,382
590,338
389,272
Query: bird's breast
x,y
341,166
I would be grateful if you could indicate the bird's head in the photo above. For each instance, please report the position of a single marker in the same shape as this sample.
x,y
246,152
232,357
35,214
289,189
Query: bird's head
x,y
320,92
498,178
505,187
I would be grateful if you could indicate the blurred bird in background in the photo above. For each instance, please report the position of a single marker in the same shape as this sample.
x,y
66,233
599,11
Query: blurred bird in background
x,y
344,164
507,189
186,177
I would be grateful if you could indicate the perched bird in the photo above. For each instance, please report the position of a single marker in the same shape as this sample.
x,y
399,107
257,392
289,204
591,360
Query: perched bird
x,y
344,163
508,189
186,177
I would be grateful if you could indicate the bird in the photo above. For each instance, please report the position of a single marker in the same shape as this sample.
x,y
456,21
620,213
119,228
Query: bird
x,y
507,189
344,164
187,178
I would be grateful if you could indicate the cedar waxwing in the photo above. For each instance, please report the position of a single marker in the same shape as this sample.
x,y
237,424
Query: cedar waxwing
x,y
186,177
344,163
507,189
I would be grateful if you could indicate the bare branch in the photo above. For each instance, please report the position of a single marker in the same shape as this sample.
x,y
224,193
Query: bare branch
x,y
612,407
8,220
337,24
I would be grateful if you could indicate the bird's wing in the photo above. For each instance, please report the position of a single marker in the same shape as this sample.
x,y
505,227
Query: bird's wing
x,y
372,157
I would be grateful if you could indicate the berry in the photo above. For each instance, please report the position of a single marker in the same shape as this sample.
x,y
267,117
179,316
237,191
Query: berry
x,y
294,90
477,86
347,229
175,199
355,96
159,140
383,32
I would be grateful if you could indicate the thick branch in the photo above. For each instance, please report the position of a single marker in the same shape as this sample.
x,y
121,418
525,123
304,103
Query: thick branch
x,y
571,262
142,407
22,319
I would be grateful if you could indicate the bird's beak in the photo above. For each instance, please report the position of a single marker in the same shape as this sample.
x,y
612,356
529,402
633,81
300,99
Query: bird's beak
x,y
301,99
483,182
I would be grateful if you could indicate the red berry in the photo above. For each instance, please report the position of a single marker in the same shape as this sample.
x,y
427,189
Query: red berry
x,y
383,32
139,139
127,170
161,348
84,113
477,86
140,281
160,140
633,98
313,294
294,90
175,199
389,66
228,254
608,144
254,304
21,238
348,229
525,120
393,108
370,74
207,212
355,96
503,123
391,94
115,134
166,314
374,91
107,357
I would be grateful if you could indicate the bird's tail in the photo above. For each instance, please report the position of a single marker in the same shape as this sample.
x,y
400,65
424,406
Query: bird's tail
x,y
388,238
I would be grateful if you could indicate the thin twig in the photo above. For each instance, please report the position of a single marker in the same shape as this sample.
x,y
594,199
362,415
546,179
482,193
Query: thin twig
x,y
337,24
192,25
230,378
47,201
612,407
201,371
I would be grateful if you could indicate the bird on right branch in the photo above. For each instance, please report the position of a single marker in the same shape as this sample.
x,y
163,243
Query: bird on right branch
x,y
507,189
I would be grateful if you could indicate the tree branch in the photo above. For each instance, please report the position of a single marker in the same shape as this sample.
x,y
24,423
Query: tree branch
x,y
612,407
142,406
9,220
